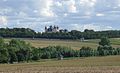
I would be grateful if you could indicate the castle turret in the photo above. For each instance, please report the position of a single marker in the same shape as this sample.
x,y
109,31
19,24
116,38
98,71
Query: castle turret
x,y
57,28
52,29
45,29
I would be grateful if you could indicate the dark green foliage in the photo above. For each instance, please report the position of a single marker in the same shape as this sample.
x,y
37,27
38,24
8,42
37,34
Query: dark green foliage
x,y
22,49
20,57
4,56
2,44
55,51
95,52
76,53
12,55
3,52
17,32
104,41
105,49
117,51
86,52
73,34
65,51
36,55
48,52
46,55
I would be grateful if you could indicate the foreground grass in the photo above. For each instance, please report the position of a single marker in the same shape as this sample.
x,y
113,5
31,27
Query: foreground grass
x,y
108,64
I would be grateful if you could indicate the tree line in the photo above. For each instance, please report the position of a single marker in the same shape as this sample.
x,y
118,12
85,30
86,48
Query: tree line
x,y
20,51
73,34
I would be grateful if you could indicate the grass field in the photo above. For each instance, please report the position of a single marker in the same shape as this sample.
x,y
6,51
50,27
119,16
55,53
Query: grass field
x,y
109,64
74,44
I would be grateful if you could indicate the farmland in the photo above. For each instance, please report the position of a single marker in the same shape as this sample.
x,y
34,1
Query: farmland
x,y
104,64
109,64
74,44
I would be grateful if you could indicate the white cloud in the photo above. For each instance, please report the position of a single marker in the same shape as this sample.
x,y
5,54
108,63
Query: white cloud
x,y
100,14
89,3
82,27
97,27
91,26
3,20
6,10
65,15
108,28
58,4
76,27
70,5
45,7
118,3
47,13
22,14
86,7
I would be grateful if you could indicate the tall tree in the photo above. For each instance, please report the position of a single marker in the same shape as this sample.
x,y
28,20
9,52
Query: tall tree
x,y
104,41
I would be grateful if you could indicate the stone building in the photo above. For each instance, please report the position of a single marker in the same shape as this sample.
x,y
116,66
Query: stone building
x,y
52,29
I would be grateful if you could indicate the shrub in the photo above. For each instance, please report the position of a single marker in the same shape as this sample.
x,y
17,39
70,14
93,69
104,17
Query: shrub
x,y
86,52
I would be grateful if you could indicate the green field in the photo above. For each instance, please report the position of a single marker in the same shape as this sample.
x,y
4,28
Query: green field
x,y
74,44
109,64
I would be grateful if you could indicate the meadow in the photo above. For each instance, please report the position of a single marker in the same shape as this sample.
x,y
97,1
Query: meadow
x,y
74,44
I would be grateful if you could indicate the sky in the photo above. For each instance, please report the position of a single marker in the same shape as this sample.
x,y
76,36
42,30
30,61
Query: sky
x,y
98,15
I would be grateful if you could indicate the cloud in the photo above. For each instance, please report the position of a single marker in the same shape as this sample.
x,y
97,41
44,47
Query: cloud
x,y
100,14
5,11
44,7
108,28
22,15
89,3
86,7
71,6
82,27
58,4
3,20
97,27
71,14
76,27
91,26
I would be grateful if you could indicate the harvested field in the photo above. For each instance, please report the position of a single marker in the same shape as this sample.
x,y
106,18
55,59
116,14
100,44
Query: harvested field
x,y
109,64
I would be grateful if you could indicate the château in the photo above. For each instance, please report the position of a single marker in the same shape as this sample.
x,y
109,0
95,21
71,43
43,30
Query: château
x,y
54,29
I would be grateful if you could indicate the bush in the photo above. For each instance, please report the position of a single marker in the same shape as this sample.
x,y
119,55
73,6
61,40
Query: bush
x,y
105,50
86,52
12,55
117,51
4,56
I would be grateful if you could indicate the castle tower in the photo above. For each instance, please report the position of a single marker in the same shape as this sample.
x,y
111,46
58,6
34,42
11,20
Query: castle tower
x,y
57,28
51,29
45,29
